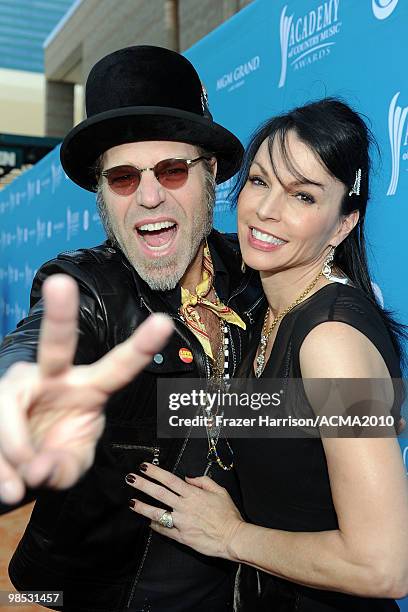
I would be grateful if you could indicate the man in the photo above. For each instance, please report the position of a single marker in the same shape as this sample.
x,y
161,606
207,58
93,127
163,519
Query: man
x,y
152,152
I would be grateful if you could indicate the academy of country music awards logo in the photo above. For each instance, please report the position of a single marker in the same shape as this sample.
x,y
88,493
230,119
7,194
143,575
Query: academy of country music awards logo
x,y
383,8
397,115
405,458
398,135
308,38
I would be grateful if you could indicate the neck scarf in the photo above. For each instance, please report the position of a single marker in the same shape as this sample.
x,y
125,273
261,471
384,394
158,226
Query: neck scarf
x,y
190,300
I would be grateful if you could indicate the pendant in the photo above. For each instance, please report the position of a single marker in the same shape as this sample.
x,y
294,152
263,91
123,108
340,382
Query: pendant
x,y
260,361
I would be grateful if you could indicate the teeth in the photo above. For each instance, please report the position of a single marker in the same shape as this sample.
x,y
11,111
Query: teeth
x,y
152,227
266,237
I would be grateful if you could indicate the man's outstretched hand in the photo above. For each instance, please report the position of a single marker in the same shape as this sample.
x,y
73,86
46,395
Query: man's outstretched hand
x,y
51,412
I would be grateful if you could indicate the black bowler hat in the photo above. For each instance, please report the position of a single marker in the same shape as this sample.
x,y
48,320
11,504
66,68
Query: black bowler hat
x,y
145,93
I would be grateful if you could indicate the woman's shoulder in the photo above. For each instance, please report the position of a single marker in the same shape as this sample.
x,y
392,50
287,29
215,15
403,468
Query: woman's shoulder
x,y
337,302
344,309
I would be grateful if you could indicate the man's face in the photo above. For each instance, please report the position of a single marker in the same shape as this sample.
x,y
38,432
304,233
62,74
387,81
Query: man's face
x,y
158,229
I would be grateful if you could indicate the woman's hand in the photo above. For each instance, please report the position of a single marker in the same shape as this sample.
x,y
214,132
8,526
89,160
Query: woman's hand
x,y
204,515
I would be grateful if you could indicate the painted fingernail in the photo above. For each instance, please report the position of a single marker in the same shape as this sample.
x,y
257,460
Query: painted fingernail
x,y
132,504
143,467
130,478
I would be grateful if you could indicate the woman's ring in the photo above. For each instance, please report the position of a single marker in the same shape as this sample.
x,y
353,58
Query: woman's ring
x,y
166,520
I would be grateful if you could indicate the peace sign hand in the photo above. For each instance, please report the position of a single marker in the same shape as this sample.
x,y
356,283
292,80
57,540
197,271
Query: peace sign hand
x,y
51,412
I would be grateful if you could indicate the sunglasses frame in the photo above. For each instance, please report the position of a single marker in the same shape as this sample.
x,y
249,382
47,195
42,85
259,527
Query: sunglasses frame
x,y
188,162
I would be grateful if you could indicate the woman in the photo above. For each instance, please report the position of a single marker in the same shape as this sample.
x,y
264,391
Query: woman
x,y
326,520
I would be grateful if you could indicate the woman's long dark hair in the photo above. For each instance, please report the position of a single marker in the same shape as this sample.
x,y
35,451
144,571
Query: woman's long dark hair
x,y
341,139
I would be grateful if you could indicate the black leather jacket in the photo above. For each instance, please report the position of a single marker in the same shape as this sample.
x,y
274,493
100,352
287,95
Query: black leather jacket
x,y
85,541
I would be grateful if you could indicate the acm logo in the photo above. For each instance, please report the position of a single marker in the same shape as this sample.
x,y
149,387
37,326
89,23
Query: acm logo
x,y
397,119
306,39
383,8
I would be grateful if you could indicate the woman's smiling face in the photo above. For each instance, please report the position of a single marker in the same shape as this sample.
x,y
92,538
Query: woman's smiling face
x,y
284,222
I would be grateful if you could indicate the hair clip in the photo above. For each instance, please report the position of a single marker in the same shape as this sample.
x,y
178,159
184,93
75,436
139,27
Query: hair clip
x,y
356,187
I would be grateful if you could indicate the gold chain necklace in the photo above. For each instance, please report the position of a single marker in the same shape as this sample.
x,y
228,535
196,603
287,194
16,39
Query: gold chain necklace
x,y
266,333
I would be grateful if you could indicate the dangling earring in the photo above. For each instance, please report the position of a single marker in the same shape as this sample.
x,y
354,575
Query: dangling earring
x,y
243,267
328,264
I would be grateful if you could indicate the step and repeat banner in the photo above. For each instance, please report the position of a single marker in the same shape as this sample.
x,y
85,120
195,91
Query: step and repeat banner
x,y
269,57
41,214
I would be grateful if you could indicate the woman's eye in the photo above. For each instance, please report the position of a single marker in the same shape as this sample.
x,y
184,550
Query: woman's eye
x,y
304,197
256,180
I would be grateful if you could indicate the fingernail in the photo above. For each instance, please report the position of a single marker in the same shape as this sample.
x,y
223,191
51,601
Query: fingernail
x,y
143,467
130,478
9,492
132,504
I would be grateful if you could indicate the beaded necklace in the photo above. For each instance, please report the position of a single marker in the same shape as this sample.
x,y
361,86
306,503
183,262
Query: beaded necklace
x,y
219,377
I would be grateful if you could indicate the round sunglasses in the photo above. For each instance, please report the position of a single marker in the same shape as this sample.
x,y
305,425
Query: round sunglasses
x,y
171,174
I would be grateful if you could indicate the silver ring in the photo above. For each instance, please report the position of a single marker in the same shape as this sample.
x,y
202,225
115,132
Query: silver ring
x,y
166,520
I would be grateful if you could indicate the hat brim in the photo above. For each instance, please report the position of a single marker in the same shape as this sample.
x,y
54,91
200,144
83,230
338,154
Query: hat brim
x,y
88,140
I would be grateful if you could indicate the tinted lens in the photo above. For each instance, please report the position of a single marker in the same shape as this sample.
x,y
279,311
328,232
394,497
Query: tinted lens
x,y
171,173
123,180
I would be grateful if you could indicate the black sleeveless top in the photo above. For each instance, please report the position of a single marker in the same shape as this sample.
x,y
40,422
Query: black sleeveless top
x,y
285,482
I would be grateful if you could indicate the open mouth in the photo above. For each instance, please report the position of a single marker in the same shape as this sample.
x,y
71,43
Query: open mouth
x,y
266,238
157,235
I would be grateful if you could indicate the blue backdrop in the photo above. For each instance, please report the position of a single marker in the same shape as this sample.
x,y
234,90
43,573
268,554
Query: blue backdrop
x,y
269,57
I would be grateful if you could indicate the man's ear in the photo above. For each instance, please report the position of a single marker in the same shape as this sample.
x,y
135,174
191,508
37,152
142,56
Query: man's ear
x,y
347,224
